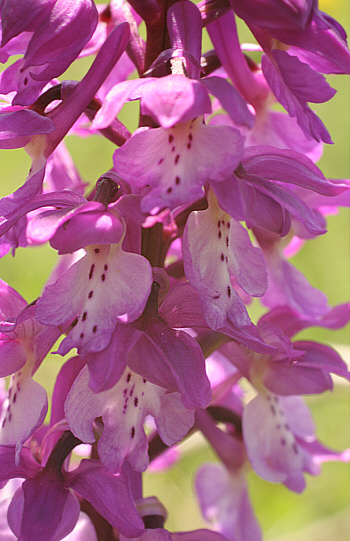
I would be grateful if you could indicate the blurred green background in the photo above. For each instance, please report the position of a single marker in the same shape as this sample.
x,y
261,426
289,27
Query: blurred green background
x,y
322,512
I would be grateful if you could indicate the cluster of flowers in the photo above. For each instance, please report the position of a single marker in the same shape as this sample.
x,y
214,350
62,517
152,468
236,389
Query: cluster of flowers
x,y
158,266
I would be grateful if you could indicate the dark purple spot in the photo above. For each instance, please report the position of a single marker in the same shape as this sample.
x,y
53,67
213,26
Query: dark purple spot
x,y
283,441
177,180
227,241
173,149
226,259
10,417
82,335
171,138
97,250
190,137
91,271
136,401
188,146
273,409
160,161
222,257
14,397
3,423
216,297
177,157
228,225
90,294
132,390
25,82
94,328
219,234
132,432
169,190
75,322
144,380
125,391
286,426
228,291
295,448
128,378
83,317
103,277
219,224
10,392
106,267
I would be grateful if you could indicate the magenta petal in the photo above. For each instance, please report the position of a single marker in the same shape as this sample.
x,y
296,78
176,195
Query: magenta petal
x,y
163,358
70,515
109,494
54,45
17,127
21,17
181,309
321,357
224,501
23,412
185,31
271,445
307,119
26,468
271,14
296,379
285,165
115,99
11,302
176,162
324,48
214,248
61,199
64,381
13,356
103,286
280,130
311,219
45,224
44,500
288,286
322,453
173,420
86,228
107,366
174,99
82,93
56,41
305,83
230,99
223,33
291,322
257,209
